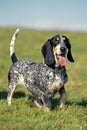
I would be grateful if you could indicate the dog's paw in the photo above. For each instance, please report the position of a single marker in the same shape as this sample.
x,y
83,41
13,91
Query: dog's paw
x,y
37,104
46,109
62,105
8,102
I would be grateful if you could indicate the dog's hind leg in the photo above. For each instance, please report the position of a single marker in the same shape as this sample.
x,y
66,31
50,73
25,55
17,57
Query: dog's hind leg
x,y
46,103
11,89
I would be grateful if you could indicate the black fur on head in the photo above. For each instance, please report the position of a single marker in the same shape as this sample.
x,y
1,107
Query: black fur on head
x,y
68,45
47,51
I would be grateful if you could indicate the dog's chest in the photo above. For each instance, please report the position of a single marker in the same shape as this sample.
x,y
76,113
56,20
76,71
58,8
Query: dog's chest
x,y
56,84
60,78
48,77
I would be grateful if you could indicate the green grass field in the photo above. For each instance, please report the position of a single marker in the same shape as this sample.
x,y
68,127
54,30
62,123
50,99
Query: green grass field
x,y
23,114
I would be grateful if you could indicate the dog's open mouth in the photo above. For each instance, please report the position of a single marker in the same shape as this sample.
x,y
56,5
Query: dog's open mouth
x,y
61,59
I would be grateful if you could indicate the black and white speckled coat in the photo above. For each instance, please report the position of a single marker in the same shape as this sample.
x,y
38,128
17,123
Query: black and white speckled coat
x,y
42,79
37,76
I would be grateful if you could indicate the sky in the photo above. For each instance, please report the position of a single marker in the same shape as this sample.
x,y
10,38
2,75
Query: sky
x,y
44,14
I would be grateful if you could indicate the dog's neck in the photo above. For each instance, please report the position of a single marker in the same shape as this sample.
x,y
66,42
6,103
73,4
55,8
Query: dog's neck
x,y
54,66
59,67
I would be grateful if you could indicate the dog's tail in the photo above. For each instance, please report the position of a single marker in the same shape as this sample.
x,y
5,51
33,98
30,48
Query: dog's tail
x,y
12,51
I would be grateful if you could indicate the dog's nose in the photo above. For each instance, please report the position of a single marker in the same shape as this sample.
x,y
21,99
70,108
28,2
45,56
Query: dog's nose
x,y
63,49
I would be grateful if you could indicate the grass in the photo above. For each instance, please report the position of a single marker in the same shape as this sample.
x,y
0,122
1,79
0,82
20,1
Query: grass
x,y
23,114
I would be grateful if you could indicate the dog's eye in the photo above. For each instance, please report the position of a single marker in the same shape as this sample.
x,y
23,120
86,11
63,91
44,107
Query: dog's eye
x,y
56,42
57,39
63,38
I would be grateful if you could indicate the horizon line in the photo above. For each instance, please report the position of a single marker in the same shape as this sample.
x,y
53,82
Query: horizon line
x,y
43,29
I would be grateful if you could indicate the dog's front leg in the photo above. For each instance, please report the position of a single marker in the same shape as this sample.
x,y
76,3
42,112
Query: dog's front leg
x,y
62,93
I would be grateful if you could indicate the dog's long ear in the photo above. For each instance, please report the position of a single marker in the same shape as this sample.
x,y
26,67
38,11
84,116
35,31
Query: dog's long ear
x,y
48,53
69,54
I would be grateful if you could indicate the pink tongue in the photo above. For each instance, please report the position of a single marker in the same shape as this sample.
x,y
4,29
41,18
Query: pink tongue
x,y
61,60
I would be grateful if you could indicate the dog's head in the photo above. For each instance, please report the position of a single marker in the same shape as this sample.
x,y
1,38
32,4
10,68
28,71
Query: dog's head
x,y
55,51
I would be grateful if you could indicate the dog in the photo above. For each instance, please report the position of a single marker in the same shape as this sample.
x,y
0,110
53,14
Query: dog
x,y
43,79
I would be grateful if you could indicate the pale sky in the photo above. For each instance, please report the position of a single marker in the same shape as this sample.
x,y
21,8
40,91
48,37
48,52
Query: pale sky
x,y
45,14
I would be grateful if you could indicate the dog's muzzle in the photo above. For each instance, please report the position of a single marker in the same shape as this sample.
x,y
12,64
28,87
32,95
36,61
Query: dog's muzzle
x,y
61,57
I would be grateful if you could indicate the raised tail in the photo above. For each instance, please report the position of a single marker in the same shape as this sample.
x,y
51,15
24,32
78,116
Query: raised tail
x,y
12,51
